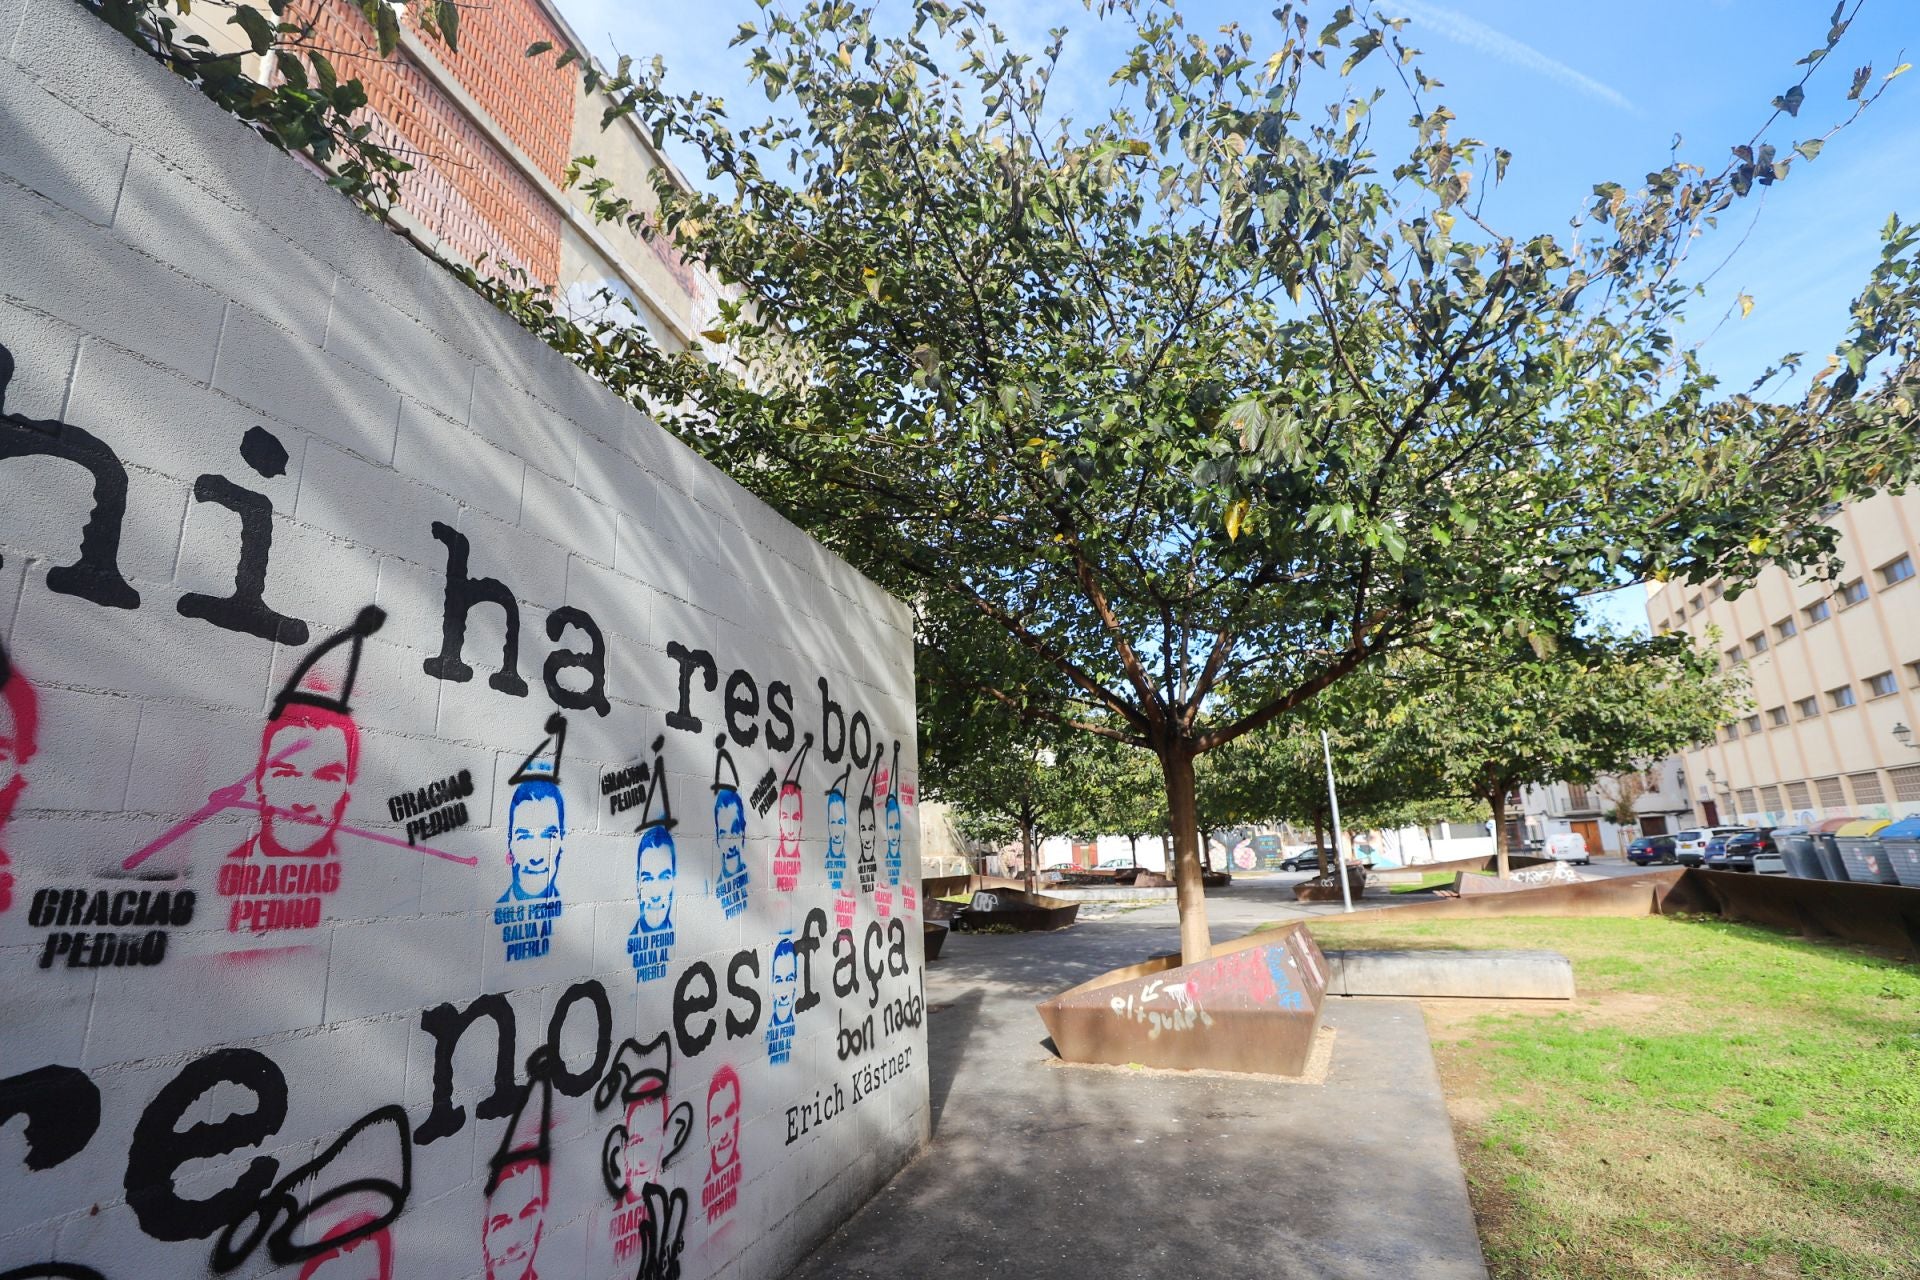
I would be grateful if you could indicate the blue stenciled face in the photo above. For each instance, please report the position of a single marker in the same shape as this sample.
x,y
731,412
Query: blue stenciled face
x,y
536,832
730,831
836,825
893,829
786,979
653,876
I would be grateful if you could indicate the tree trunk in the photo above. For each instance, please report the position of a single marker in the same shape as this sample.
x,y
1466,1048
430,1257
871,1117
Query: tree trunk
x,y
1176,763
1498,803
1320,839
1133,851
1026,852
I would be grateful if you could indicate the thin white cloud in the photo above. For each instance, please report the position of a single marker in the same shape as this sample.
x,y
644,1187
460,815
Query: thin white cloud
x,y
1497,44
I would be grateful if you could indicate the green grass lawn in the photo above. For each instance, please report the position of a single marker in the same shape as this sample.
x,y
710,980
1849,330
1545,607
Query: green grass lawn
x,y
1721,1100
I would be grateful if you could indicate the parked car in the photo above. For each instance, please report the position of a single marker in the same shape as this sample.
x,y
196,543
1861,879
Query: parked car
x,y
1115,864
1647,850
1738,850
1567,846
1307,859
1690,846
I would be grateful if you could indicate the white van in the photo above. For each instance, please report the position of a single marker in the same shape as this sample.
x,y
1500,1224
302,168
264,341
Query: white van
x,y
1567,846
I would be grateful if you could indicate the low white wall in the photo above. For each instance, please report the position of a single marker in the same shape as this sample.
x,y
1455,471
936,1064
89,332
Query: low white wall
x,y
449,829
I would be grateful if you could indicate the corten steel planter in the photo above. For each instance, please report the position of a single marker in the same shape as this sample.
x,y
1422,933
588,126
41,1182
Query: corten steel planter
x,y
1880,915
1254,1005
935,938
1016,909
1326,888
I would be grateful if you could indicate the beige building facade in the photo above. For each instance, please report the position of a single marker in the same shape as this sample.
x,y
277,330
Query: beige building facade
x,y
1835,672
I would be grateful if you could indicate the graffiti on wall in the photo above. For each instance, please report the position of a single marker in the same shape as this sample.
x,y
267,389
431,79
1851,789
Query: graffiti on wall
x,y
528,908
214,1164
656,863
729,831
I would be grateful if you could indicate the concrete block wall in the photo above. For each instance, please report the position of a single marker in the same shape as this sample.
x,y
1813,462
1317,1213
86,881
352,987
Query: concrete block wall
x,y
303,969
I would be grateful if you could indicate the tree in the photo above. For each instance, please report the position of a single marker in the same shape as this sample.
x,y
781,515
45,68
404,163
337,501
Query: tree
x,y
1562,709
1205,393
1201,393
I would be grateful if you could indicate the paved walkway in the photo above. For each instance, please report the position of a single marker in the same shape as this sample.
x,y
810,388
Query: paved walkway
x,y
1039,1170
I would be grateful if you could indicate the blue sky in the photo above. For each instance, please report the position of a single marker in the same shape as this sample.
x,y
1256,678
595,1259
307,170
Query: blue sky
x,y
1581,91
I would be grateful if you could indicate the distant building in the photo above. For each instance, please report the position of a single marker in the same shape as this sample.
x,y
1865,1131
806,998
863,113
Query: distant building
x,y
1658,799
490,132
1835,669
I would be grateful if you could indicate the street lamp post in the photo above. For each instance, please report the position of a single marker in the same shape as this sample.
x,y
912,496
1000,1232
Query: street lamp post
x,y
1904,736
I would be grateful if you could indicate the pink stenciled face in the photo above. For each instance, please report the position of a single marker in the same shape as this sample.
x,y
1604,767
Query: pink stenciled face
x,y
645,1150
723,1123
303,783
791,812
516,1215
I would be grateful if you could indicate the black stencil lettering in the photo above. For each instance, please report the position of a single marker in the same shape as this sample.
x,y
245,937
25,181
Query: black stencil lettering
x,y
780,712
833,725
689,1004
62,1107
95,576
742,702
860,739
447,1025
463,593
244,610
813,931
594,663
159,1147
748,962
575,1083
690,660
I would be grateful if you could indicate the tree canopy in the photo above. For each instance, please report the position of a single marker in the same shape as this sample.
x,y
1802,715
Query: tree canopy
x,y
1211,392
1569,708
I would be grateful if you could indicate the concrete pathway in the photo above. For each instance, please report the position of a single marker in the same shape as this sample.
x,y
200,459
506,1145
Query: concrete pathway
x,y
1039,1170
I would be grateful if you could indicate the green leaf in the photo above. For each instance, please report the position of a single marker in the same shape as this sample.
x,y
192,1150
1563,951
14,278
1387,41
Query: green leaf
x,y
1790,101
539,47
260,30
1810,149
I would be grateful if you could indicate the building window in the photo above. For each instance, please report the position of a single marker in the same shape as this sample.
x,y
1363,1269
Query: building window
x,y
1852,593
1757,643
1734,655
1695,605
1798,796
1716,588
1817,612
1866,789
1746,800
1786,628
1753,724
1778,715
1577,797
1882,685
1731,732
1898,571
1831,796
1906,782
1770,796
1807,707
1842,698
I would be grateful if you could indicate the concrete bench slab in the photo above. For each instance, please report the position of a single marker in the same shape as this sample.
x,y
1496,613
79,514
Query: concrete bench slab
x,y
1493,975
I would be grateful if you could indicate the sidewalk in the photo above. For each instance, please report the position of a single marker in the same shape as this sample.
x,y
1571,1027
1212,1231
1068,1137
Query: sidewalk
x,y
1041,1170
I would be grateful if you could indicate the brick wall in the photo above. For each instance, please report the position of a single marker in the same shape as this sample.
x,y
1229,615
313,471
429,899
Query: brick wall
x,y
356,645
463,187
